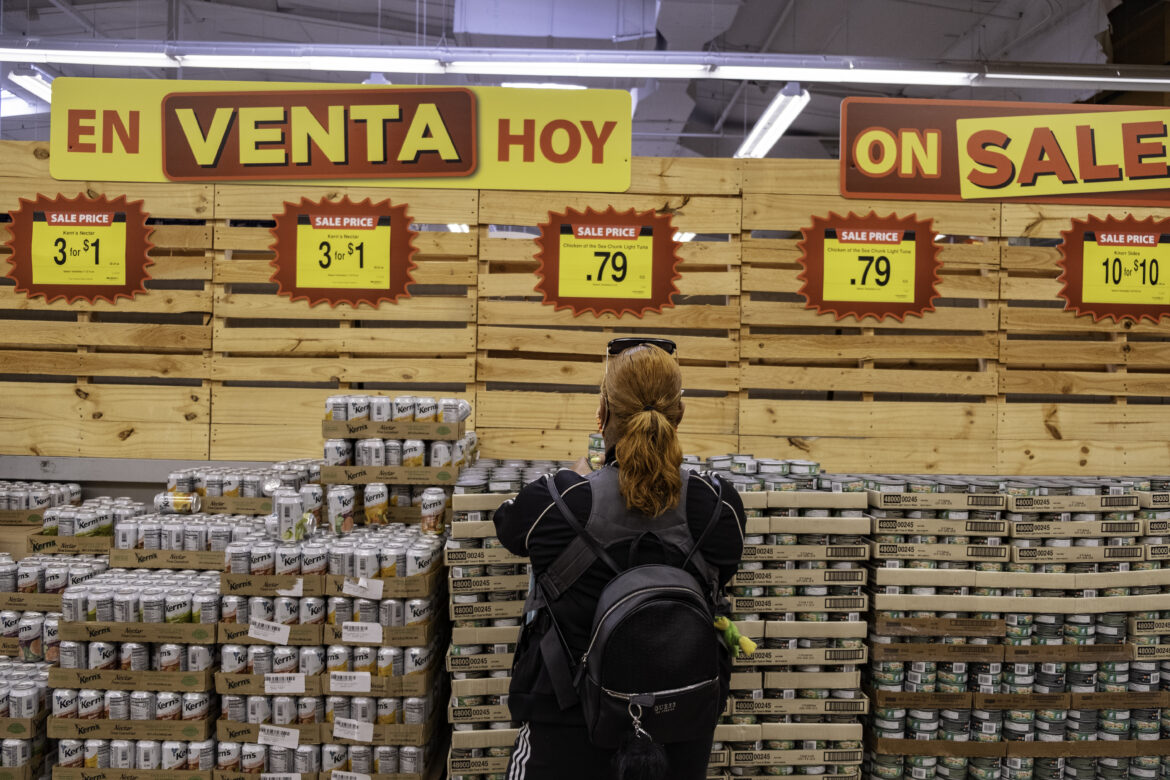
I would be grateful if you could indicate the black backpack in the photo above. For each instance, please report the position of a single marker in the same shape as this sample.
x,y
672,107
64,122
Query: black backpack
x,y
654,663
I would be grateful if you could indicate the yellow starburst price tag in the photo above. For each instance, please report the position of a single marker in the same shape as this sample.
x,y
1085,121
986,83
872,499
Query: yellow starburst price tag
x,y
78,248
1126,268
343,252
876,266
606,261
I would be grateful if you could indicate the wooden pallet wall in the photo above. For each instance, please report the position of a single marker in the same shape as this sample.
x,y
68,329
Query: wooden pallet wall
x,y
539,370
99,380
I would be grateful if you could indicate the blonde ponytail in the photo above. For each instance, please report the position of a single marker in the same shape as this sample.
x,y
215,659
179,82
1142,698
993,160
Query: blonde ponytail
x,y
643,395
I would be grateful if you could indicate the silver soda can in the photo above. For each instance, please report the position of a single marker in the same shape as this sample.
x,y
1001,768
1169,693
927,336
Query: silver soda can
x,y
8,576
201,755
286,610
390,661
102,655
311,660
168,705
142,705
177,606
174,756
126,536
149,535
337,452
403,409
196,705
337,658
363,708
339,508
126,609
172,534
309,709
419,611
439,454
30,637
253,758
263,559
285,660
64,703
314,559
259,710
391,612
284,710
414,453
337,408
233,707
238,557
417,659
233,659
311,610
386,759
205,607
376,503
195,537
89,704
381,408
259,659
281,759
389,710
426,409
147,754
433,508
361,758
70,753
410,760
121,754
97,753
24,700
170,657
288,509
365,610
233,609
358,407
56,578
367,561
153,605
393,452
338,610
369,452
261,608
74,602
227,757
307,759
414,710
101,604
116,705
336,707
199,658
363,659
134,657
288,560
334,757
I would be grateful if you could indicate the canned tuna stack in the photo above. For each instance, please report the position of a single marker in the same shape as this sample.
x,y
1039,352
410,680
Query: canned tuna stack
x,y
133,690
330,652
488,587
796,702
1002,664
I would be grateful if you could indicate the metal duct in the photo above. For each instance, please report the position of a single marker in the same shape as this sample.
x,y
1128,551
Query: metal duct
x,y
486,22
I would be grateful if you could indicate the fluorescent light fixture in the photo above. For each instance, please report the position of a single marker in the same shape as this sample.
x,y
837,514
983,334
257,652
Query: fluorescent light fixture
x,y
33,81
931,78
456,227
107,57
567,69
310,62
684,237
776,119
14,105
540,85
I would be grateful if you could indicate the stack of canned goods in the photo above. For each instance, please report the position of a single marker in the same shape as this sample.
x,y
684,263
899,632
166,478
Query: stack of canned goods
x,y
187,489
141,754
95,704
24,693
93,517
38,496
191,532
37,632
251,758
400,408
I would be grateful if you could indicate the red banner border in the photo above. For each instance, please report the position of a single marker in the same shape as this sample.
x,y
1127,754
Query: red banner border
x,y
401,245
137,235
664,255
812,261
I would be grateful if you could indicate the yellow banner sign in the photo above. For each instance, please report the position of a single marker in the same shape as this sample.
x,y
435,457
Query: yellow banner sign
x,y
373,136
1063,154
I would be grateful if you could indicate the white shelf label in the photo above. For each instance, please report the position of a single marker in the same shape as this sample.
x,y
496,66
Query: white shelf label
x,y
280,776
348,728
284,683
349,682
278,736
268,631
362,587
349,776
361,633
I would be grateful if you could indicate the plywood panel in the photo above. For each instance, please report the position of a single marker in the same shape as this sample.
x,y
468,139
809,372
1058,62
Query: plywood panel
x,y
570,445
874,455
904,420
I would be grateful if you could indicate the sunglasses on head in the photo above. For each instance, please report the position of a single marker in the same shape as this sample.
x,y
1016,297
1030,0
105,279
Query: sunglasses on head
x,y
618,346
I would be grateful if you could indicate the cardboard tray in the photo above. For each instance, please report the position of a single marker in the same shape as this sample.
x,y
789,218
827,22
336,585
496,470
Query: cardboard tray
x,y
486,635
1076,554
253,684
936,652
387,429
1077,530
234,505
940,552
80,773
928,701
514,582
23,728
481,686
118,680
68,545
854,526
479,502
783,629
829,656
1067,653
1072,503
389,734
28,517
398,636
9,646
474,557
801,577
479,663
805,552
796,603
73,728
233,731
797,706
1056,606
486,610
391,475
815,499
985,502
22,602
883,626
183,633
795,757
473,529
1150,652
167,559
839,680
480,714
1155,500
910,525
267,585
237,633
915,747
413,587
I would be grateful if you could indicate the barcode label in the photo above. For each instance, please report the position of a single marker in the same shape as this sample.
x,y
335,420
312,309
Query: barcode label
x,y
349,776
362,588
349,682
280,737
989,500
284,683
268,631
977,551
361,633
984,525
348,728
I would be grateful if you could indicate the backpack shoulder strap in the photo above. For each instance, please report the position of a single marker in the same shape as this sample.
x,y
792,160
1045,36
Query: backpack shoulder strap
x,y
577,557
693,554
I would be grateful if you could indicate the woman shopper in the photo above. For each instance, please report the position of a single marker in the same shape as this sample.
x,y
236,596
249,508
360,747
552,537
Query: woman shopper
x,y
639,510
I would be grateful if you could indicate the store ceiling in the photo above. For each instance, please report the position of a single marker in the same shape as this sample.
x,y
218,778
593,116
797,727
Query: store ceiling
x,y
679,118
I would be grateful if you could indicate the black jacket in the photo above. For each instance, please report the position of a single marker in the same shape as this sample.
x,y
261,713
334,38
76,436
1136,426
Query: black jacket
x,y
531,525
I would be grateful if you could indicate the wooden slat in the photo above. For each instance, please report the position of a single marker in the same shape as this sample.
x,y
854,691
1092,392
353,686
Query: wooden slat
x,y
694,213
566,372
692,253
1033,220
24,159
799,177
173,200
521,285
784,280
1061,354
418,308
112,439
685,175
903,420
1064,382
330,340
158,301
790,315
1023,288
800,346
279,369
1032,259
1020,319
1148,354
427,272
171,237
576,411
107,363
56,401
1089,422
870,380
177,406
247,201
264,442
954,257
180,267
36,436
584,342
877,455
700,317
36,333
1073,457
296,409
565,445
429,243
773,211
